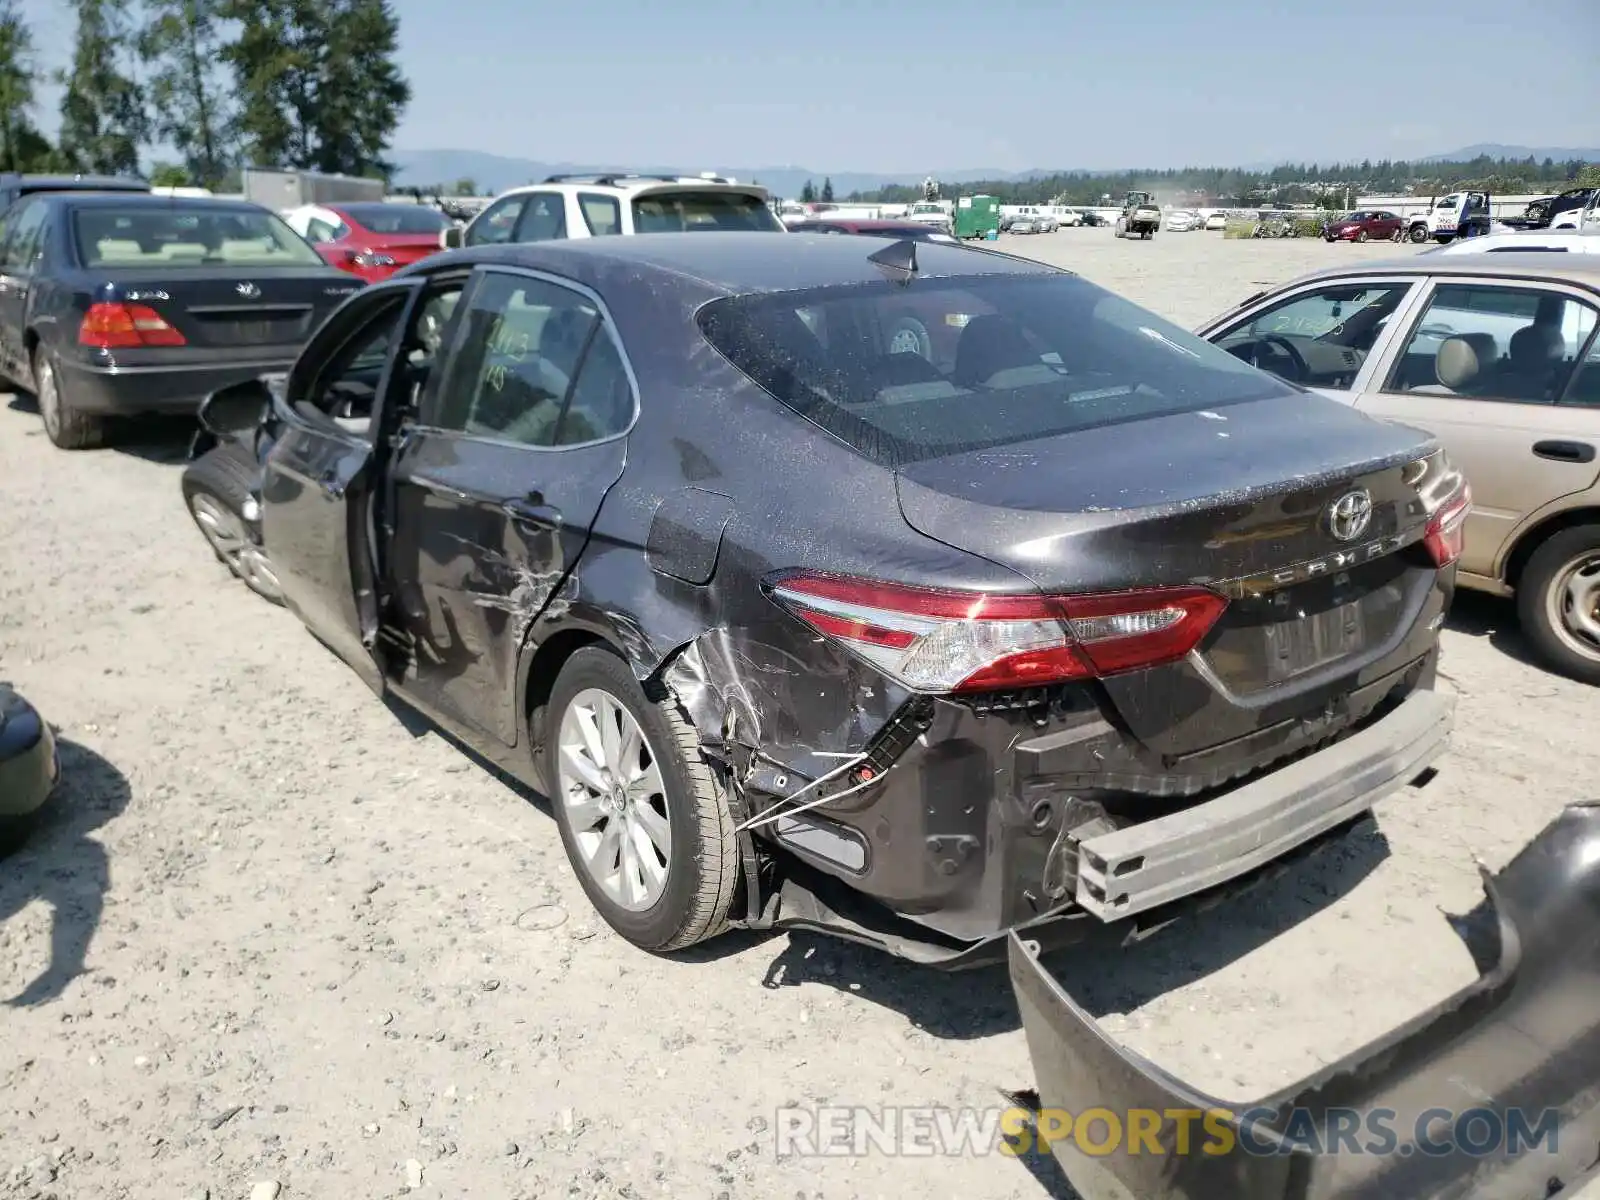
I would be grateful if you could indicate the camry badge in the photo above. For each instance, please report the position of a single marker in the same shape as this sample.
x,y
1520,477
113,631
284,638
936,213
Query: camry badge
x,y
1350,514
248,290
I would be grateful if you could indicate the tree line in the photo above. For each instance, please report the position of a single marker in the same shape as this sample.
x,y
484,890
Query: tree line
x,y
1289,184
306,84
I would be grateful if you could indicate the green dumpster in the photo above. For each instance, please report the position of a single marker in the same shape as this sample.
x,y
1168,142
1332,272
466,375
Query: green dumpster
x,y
977,216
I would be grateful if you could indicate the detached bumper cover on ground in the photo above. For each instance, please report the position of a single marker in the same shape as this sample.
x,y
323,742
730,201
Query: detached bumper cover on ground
x,y
1518,1051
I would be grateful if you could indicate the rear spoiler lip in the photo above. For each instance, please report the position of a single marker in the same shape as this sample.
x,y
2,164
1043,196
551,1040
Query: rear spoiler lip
x,y
1478,1050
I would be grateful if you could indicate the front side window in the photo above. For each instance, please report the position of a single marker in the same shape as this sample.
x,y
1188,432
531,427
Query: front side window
x,y
152,235
1319,338
345,389
544,219
696,212
512,376
955,364
495,224
1486,341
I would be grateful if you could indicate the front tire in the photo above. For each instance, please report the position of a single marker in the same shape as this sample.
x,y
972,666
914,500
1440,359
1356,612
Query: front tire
x,y
642,817
67,427
1419,234
1558,601
217,487
1361,235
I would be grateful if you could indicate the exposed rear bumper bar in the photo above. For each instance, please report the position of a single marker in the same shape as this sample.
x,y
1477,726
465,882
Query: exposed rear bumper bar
x,y
1132,870
1518,1049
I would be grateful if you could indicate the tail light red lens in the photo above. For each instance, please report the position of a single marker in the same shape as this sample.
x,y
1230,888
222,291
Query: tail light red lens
x,y
109,326
946,641
1447,528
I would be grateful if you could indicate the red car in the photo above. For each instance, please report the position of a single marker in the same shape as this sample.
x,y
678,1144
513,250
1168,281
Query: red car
x,y
372,240
1365,226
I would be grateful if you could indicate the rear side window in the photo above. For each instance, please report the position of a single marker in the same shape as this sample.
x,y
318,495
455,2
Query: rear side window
x,y
155,235
601,213
952,365
518,359
676,212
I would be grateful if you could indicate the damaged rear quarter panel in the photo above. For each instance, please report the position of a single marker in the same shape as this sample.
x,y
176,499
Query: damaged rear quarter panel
x,y
725,475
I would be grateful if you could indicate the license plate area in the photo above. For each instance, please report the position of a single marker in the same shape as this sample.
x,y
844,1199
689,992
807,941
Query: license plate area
x,y
1314,639
1269,639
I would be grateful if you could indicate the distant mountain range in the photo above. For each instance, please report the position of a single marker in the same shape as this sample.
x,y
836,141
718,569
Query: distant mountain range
x,y
1496,150
493,173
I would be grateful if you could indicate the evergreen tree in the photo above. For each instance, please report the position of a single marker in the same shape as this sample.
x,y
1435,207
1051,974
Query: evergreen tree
x,y
180,45
22,148
103,121
317,83
827,191
808,194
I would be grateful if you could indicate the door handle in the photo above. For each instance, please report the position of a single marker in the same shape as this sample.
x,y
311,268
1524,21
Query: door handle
x,y
1573,452
534,513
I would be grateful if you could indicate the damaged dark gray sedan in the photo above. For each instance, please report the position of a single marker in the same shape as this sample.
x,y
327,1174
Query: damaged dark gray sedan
x,y
915,593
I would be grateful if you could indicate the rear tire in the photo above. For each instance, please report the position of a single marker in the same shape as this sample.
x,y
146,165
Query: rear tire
x,y
217,487
663,783
1558,601
67,427
1361,235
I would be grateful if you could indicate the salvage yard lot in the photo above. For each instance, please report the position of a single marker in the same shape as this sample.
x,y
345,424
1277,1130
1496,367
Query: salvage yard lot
x,y
272,935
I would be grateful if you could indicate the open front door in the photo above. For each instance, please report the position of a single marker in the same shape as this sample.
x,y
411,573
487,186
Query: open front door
x,y
319,476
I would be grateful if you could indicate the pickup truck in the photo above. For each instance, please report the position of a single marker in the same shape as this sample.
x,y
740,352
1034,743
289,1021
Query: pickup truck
x,y
1459,214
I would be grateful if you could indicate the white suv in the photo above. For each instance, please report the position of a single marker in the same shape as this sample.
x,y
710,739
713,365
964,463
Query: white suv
x,y
580,206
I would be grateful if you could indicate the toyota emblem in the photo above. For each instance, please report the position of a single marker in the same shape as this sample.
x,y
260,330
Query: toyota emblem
x,y
248,290
1350,514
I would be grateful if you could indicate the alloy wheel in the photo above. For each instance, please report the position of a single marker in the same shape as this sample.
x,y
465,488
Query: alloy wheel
x,y
226,532
1572,603
49,398
610,785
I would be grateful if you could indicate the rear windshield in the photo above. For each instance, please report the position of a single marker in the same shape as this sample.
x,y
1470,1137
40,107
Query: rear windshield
x,y
153,235
676,212
397,218
952,365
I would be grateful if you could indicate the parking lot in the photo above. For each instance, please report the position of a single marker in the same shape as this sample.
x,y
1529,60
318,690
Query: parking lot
x,y
272,935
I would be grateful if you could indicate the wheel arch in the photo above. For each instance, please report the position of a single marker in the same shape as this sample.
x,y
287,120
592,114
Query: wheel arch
x,y
1529,541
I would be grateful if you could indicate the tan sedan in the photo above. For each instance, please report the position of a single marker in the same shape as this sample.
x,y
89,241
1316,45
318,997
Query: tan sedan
x,y
1496,355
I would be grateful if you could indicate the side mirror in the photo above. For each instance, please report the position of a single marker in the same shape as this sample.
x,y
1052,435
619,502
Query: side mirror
x,y
235,412
451,238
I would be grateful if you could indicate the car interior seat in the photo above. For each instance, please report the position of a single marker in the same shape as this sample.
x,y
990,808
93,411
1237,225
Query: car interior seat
x,y
1535,359
991,345
1460,362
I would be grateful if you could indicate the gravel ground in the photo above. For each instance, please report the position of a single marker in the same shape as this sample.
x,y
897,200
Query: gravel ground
x,y
272,938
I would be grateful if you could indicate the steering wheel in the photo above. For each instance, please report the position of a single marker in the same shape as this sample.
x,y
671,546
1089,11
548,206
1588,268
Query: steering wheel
x,y
1285,349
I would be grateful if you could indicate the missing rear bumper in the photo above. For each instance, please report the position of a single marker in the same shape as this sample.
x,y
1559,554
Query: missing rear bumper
x,y
1492,1095
1141,867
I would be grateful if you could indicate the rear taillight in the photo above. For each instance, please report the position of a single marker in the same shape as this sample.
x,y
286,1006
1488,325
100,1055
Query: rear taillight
x,y
1447,527
943,641
109,326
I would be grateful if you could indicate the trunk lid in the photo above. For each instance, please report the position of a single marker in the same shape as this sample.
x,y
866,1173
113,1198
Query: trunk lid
x,y
232,306
1239,500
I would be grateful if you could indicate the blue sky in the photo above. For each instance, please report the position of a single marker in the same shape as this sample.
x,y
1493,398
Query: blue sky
x,y
925,85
